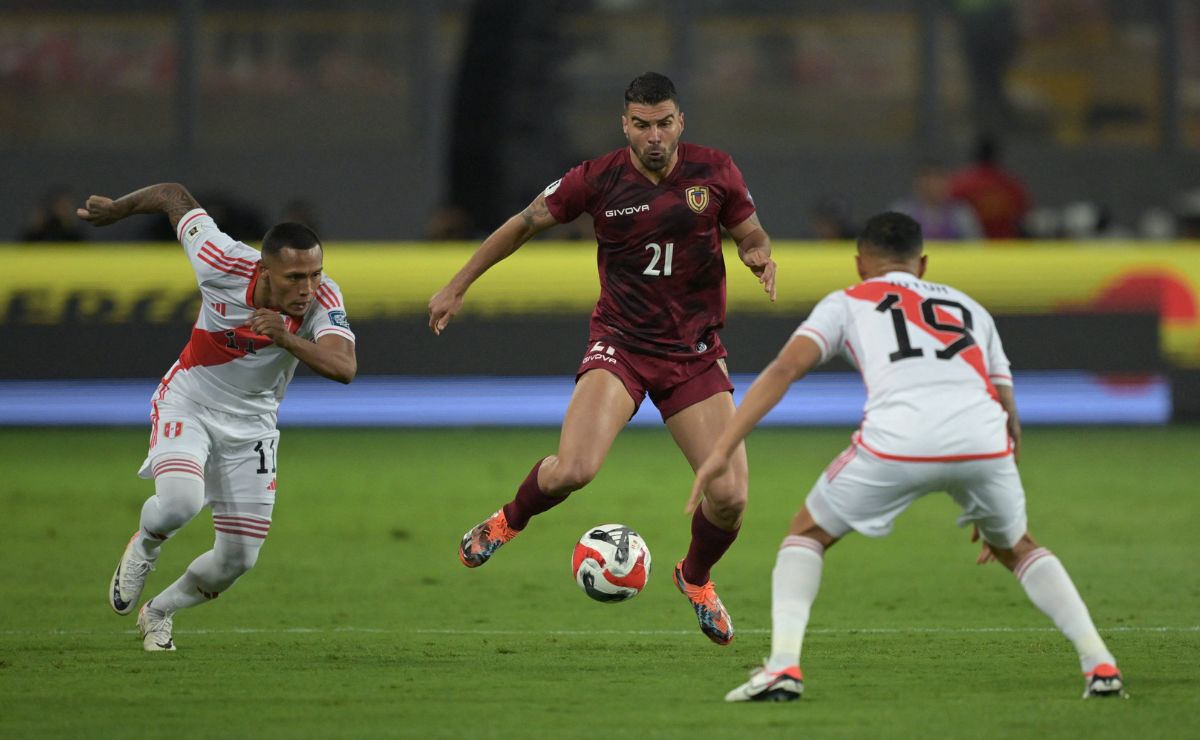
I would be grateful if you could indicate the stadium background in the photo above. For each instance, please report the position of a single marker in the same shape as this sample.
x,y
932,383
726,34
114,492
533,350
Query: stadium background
x,y
407,131
396,123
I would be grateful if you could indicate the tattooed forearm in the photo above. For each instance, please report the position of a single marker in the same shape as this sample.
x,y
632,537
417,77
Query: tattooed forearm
x,y
170,198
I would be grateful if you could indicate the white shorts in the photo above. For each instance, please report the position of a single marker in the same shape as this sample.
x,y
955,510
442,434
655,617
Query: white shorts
x,y
238,453
865,493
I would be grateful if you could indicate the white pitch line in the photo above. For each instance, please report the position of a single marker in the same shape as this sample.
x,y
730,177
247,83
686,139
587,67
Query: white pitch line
x,y
589,633
826,631
204,631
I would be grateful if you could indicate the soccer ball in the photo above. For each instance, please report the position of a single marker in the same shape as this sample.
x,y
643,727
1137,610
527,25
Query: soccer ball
x,y
611,563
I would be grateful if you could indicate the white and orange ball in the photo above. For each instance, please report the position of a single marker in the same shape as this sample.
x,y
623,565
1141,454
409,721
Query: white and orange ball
x,y
611,563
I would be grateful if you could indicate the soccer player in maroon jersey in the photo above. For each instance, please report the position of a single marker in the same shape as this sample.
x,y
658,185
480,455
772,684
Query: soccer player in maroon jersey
x,y
658,207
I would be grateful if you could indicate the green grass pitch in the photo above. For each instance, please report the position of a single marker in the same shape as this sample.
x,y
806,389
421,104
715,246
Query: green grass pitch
x,y
360,622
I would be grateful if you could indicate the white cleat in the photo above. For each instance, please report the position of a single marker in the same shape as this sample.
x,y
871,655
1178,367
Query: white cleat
x,y
156,630
764,685
128,580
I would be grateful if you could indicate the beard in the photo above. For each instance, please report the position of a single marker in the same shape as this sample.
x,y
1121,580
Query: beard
x,y
655,160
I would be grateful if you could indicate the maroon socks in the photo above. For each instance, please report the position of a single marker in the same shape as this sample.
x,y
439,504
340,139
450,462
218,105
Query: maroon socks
x,y
709,543
530,501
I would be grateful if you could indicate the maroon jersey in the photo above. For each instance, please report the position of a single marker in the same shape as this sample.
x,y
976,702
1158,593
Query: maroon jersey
x,y
662,276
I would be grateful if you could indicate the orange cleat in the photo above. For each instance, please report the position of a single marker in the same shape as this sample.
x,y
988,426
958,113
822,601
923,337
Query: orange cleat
x,y
484,539
714,620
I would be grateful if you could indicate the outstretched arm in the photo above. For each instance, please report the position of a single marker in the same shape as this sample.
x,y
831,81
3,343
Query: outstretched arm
x,y
503,241
754,247
797,357
169,198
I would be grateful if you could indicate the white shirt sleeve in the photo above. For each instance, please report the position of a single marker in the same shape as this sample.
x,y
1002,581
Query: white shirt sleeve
x,y
216,257
329,315
826,325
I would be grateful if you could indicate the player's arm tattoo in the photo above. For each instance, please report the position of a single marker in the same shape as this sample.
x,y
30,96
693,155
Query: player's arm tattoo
x,y
536,216
169,198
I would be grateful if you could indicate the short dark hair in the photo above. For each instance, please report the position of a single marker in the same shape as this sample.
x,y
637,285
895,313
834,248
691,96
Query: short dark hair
x,y
650,89
893,234
289,234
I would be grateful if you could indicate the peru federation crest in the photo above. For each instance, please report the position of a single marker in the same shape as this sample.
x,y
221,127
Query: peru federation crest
x,y
697,198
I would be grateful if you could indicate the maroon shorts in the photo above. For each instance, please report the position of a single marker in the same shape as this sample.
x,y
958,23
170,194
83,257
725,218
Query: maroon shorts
x,y
673,385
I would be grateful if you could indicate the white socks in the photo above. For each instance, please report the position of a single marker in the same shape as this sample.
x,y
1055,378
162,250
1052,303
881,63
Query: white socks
x,y
178,496
240,536
797,577
794,585
1049,587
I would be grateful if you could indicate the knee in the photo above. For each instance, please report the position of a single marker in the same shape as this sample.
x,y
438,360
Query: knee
x,y
234,561
571,474
1011,558
727,497
179,499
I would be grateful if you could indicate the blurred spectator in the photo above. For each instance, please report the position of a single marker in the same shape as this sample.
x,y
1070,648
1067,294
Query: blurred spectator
x,y
1157,224
998,197
53,219
940,216
301,211
1043,223
1188,212
448,223
1085,219
832,218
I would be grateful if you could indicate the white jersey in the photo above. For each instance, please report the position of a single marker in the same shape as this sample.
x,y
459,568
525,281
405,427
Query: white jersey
x,y
225,366
930,358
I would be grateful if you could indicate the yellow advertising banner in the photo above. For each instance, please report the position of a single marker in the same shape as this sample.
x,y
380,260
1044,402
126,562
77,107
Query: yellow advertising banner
x,y
42,284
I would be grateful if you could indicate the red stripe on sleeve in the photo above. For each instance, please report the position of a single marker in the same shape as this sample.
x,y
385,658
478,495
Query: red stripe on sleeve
x,y
224,257
209,261
182,226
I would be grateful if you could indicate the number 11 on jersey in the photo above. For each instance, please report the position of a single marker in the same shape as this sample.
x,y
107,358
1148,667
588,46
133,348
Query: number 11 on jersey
x,y
666,255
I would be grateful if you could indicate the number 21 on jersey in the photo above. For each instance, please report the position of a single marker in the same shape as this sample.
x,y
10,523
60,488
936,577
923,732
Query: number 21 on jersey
x,y
665,254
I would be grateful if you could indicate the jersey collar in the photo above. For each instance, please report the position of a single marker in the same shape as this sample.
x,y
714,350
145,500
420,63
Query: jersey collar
x,y
253,284
897,275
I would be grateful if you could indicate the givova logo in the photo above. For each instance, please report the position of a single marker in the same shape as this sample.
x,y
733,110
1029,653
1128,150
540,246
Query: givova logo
x,y
627,211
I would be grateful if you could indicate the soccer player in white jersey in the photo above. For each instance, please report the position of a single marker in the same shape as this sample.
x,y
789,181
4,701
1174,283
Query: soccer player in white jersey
x,y
213,437
940,416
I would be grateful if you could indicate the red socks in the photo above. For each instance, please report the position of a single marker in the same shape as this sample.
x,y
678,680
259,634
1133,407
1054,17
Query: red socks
x,y
709,543
529,500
